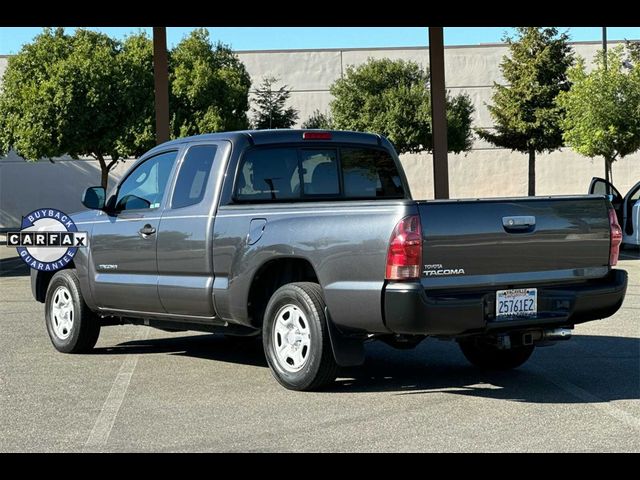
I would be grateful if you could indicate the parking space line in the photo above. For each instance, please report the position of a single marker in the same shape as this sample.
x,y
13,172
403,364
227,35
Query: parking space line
x,y
603,405
104,423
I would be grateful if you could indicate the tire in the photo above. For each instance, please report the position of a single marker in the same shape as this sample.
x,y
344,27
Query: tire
x,y
489,357
302,358
72,326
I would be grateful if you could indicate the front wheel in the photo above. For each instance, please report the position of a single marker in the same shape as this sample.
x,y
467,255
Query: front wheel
x,y
72,326
296,338
489,357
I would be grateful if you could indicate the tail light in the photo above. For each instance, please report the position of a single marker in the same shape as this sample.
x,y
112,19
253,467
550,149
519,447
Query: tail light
x,y
404,257
616,237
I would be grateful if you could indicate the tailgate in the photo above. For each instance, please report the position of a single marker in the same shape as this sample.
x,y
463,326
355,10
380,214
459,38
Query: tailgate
x,y
469,243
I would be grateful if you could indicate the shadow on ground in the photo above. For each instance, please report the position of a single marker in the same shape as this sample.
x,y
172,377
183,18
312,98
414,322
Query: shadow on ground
x,y
606,366
630,253
13,267
240,350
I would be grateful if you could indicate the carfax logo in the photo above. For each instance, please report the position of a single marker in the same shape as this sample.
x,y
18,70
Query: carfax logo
x,y
48,239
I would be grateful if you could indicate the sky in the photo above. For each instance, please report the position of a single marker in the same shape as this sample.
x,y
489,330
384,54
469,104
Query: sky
x,y
279,38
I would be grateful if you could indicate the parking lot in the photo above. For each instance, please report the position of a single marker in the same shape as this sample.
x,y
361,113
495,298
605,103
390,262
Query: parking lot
x,y
148,390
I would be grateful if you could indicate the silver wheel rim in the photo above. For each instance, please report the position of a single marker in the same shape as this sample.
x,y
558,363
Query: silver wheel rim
x,y
291,338
62,313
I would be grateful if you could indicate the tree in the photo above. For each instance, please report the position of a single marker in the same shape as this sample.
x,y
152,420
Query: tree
x,y
209,87
392,98
318,120
633,52
527,117
61,95
88,95
270,111
135,63
603,108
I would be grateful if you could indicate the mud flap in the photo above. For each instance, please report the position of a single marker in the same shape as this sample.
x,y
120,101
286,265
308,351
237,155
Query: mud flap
x,y
347,351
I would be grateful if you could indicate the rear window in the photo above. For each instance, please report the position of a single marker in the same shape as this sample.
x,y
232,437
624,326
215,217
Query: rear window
x,y
370,173
301,173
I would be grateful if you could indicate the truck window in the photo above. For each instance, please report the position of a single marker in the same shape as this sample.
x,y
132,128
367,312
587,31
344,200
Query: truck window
x,y
369,173
269,174
275,173
191,183
144,187
320,172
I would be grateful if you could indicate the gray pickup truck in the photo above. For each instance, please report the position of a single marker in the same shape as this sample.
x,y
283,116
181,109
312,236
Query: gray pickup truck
x,y
312,240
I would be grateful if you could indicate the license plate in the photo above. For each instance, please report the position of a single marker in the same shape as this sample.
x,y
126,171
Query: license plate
x,y
516,302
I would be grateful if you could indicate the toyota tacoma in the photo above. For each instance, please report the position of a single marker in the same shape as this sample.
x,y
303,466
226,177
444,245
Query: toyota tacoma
x,y
312,240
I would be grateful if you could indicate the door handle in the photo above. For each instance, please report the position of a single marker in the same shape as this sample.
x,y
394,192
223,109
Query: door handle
x,y
524,223
147,230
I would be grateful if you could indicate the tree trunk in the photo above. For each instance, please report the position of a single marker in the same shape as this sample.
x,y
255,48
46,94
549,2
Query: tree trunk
x,y
608,174
104,171
532,173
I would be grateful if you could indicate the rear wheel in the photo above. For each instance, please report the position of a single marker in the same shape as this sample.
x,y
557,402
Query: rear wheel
x,y
489,357
296,338
72,326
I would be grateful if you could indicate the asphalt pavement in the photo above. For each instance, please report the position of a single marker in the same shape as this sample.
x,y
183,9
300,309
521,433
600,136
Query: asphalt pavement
x,y
147,390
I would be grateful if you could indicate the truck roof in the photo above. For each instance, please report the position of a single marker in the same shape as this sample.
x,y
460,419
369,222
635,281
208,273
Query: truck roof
x,y
283,135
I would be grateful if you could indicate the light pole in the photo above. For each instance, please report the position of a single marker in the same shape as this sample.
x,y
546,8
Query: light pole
x,y
161,82
607,175
438,113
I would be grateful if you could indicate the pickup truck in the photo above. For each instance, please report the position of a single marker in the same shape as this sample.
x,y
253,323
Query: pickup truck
x,y
311,239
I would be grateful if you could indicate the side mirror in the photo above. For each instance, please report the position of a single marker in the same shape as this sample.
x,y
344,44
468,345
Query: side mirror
x,y
93,198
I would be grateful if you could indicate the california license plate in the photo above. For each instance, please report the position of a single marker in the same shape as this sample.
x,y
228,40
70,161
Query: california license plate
x,y
516,302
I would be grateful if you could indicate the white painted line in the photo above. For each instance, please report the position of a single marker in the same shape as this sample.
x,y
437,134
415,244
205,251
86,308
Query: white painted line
x,y
603,405
104,423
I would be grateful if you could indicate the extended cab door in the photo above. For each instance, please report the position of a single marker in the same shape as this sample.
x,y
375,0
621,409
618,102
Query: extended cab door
x,y
123,243
185,236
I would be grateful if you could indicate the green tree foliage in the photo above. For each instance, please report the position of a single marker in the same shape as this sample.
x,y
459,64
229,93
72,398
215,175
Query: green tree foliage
x,y
391,97
89,95
209,87
270,111
61,95
527,117
135,63
318,120
633,52
603,108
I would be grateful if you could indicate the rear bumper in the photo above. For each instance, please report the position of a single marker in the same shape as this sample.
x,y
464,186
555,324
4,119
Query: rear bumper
x,y
409,309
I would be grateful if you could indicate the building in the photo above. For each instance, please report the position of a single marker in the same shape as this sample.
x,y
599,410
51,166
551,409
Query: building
x,y
485,171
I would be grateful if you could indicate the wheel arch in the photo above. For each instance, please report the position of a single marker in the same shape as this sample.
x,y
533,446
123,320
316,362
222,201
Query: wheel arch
x,y
270,276
40,281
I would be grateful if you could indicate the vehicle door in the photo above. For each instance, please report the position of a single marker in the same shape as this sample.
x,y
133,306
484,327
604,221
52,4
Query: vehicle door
x,y
599,186
630,200
185,235
123,243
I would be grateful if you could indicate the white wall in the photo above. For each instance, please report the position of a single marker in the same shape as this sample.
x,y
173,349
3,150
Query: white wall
x,y
26,186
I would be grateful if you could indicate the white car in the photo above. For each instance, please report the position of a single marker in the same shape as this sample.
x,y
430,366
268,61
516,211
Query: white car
x,y
627,208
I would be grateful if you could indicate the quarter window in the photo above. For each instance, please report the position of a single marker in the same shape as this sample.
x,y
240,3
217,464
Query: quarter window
x,y
191,183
